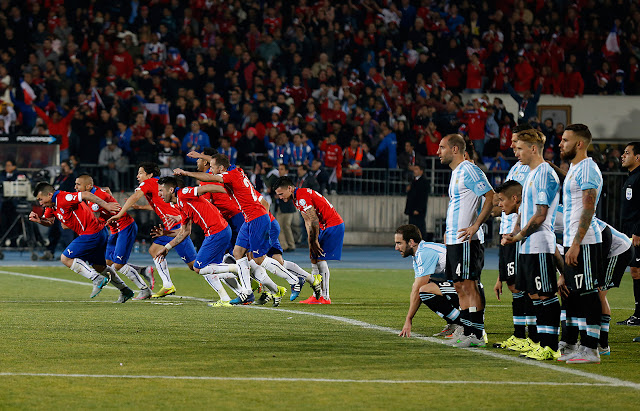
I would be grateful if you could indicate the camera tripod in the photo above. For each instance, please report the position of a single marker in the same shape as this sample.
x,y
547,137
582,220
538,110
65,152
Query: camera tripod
x,y
28,239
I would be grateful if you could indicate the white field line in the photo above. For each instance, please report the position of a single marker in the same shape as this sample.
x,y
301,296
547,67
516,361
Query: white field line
x,y
567,370
323,380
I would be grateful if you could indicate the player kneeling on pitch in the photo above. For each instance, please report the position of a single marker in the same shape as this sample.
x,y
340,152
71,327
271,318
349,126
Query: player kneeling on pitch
x,y
429,261
193,208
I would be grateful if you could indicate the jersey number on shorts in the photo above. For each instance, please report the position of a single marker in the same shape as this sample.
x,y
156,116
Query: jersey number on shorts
x,y
538,283
511,269
579,278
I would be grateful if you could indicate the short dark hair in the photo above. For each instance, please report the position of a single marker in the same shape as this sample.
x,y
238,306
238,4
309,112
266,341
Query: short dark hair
x,y
304,166
43,187
522,127
580,130
67,162
456,140
170,181
221,160
409,232
210,151
282,182
636,147
150,168
508,187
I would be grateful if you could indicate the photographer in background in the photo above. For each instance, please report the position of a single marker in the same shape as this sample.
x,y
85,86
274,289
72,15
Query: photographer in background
x,y
65,181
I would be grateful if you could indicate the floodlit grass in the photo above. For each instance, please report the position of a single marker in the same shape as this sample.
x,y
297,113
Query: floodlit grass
x,y
53,327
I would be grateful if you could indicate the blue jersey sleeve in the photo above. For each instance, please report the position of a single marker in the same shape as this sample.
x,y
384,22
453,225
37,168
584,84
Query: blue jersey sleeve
x,y
425,262
476,181
589,177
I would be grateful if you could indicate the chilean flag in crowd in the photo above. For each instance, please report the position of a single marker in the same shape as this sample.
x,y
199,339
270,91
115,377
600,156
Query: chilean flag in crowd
x,y
612,45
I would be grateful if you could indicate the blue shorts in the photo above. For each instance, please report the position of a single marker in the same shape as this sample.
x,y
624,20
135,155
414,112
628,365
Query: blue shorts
x,y
274,233
236,223
254,236
119,245
88,247
186,250
213,248
331,240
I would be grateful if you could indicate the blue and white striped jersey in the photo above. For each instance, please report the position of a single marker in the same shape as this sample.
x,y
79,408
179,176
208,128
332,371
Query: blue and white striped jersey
x,y
542,187
619,241
582,176
467,186
519,173
430,259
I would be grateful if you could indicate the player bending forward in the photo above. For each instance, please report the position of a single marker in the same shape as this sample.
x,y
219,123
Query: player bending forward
x,y
324,226
429,261
85,254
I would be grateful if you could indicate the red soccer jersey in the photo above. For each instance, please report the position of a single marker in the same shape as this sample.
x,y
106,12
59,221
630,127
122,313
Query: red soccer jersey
x,y
117,226
201,211
245,194
306,198
69,209
227,205
150,189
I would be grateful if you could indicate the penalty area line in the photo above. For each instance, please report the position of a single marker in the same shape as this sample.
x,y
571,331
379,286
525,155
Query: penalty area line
x,y
284,379
610,381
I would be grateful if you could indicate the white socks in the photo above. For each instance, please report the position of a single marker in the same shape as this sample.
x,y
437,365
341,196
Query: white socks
x,y
244,275
214,282
323,267
274,267
132,275
261,276
116,281
81,267
297,270
163,271
220,269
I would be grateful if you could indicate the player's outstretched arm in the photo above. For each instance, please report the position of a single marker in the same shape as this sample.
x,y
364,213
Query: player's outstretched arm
x,y
127,205
183,232
47,222
195,154
210,188
414,304
199,176
110,207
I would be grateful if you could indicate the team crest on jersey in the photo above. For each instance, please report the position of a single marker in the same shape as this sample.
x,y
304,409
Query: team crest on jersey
x,y
629,193
69,197
185,190
95,207
481,186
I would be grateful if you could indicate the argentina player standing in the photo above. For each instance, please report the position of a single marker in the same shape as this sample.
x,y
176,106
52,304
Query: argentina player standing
x,y
582,241
464,236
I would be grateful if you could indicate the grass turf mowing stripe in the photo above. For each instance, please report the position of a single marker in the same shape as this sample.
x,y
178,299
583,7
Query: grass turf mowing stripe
x,y
284,379
600,378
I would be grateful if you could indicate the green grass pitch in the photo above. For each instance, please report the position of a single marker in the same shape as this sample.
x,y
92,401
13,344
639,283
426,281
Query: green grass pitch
x,y
276,358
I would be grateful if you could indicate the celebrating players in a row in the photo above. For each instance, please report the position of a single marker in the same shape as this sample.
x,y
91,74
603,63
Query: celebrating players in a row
x,y
86,253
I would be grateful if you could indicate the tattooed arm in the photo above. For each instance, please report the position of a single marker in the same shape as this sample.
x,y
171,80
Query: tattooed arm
x,y
589,198
532,226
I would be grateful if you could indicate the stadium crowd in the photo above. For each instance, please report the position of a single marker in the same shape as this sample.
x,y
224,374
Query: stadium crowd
x,y
355,84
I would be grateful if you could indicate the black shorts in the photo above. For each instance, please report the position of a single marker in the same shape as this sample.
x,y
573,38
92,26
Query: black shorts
x,y
635,262
537,272
615,268
507,262
588,274
465,261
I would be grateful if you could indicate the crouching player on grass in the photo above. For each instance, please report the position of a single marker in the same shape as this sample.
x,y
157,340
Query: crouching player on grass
x,y
429,262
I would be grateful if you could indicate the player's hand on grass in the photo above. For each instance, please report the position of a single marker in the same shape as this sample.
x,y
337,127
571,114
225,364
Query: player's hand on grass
x,y
467,233
406,330
562,286
498,289
571,256
33,216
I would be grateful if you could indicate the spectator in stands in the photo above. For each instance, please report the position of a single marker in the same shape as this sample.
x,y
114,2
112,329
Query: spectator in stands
x,y
408,157
353,157
112,161
249,147
332,157
321,176
386,151
306,178
168,156
527,103
280,151
194,140
58,125
570,83
285,211
226,149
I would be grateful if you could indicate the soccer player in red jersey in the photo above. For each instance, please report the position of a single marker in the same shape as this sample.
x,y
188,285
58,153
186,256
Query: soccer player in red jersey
x,y
195,209
85,254
324,226
121,238
148,175
254,234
